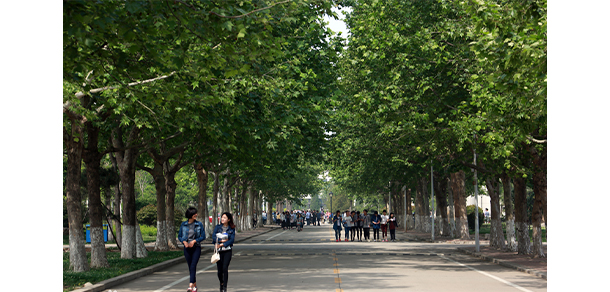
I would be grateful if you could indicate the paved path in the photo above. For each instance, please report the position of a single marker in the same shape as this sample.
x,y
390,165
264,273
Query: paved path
x,y
308,261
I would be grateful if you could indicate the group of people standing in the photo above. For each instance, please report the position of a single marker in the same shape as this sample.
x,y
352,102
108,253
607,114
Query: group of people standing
x,y
298,218
191,234
355,224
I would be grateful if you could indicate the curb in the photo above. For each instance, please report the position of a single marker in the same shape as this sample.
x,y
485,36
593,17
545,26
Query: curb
x,y
108,283
504,263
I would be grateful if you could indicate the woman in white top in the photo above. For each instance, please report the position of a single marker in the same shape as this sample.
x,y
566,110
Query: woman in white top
x,y
384,225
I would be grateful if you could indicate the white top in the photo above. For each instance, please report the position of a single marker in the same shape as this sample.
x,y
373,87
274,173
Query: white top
x,y
384,219
348,220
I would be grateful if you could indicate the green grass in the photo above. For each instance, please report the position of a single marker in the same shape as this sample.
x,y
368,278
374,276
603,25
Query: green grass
x,y
117,267
486,229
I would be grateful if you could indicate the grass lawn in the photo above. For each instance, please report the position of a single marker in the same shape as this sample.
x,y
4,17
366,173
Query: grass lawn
x,y
117,267
486,229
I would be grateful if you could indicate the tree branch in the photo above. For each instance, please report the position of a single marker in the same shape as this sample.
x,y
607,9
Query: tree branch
x,y
253,11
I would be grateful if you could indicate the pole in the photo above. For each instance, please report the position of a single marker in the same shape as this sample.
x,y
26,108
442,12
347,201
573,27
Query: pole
x,y
432,198
476,202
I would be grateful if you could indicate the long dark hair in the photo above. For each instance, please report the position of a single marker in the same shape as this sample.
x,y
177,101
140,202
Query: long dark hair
x,y
230,217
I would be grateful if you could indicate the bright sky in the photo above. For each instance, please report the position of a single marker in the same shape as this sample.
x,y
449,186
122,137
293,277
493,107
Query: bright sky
x,y
338,25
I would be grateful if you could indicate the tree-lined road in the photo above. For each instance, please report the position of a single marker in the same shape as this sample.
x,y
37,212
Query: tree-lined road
x,y
307,261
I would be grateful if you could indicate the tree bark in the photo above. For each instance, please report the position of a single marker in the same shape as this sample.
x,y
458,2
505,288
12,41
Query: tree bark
x,y
459,199
161,242
170,187
74,149
419,207
540,184
202,199
126,159
92,157
440,193
451,207
521,226
509,213
496,234
215,189
141,251
117,202
410,220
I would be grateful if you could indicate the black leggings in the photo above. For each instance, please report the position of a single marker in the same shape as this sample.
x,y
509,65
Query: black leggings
x,y
359,232
376,233
223,267
192,258
367,233
392,233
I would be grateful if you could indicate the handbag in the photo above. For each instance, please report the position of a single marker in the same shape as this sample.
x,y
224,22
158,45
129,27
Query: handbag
x,y
215,256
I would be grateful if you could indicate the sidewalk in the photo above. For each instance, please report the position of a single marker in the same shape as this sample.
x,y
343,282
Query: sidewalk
x,y
524,263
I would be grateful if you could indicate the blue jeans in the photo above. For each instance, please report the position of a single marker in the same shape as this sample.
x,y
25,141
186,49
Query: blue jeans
x,y
192,255
337,234
347,232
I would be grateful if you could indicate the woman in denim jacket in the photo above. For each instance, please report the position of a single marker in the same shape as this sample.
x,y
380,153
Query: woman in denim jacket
x,y
223,238
337,225
191,234
376,220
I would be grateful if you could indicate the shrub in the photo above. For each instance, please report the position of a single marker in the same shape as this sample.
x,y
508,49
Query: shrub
x,y
471,216
148,230
147,215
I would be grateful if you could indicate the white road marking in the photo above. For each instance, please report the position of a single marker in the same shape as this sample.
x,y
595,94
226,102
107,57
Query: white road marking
x,y
489,275
272,237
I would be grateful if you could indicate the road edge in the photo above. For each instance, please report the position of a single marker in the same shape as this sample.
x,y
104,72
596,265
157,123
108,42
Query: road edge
x,y
504,263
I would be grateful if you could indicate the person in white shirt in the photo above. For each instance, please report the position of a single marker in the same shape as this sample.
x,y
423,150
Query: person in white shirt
x,y
384,225
347,221
308,217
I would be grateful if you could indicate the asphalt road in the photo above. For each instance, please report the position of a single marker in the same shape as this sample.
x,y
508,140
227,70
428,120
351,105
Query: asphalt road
x,y
311,260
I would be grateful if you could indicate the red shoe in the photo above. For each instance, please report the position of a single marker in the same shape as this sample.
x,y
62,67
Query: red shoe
x,y
346,239
336,240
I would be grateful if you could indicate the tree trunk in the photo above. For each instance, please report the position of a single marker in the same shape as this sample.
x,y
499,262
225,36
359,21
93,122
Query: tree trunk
x,y
141,251
215,189
251,203
107,202
163,233
459,199
117,202
496,234
521,226
419,206
440,192
202,198
74,149
170,188
509,213
410,220
451,207
224,195
126,159
540,184
92,158
426,212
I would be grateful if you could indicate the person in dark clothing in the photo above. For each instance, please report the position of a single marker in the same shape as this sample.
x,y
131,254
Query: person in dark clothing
x,y
223,238
191,234
376,221
392,224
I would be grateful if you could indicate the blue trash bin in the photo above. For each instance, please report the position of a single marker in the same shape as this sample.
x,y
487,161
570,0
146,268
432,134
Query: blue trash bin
x,y
88,233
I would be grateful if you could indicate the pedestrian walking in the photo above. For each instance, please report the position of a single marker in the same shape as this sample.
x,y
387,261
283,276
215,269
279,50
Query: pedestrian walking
x,y
299,222
308,217
347,221
376,220
384,226
337,225
223,238
366,225
319,216
392,224
359,224
352,227
191,233
283,220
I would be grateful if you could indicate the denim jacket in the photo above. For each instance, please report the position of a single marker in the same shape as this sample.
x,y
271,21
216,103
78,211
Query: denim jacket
x,y
376,218
337,223
183,232
231,234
